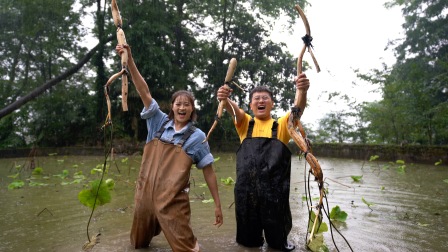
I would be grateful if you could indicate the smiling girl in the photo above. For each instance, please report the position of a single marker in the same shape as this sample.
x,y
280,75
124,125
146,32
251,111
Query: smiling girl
x,y
173,145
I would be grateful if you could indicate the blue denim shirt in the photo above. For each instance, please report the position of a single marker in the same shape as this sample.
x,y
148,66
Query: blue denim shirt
x,y
198,151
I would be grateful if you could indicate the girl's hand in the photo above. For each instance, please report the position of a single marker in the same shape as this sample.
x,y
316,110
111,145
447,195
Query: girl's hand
x,y
218,217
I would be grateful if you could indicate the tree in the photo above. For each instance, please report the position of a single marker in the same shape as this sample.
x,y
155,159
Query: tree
x,y
177,44
241,30
180,44
415,93
37,46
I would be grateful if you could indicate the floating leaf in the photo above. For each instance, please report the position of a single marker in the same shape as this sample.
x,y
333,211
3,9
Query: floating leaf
x,y
99,169
401,169
34,183
110,183
77,181
37,171
373,158
14,176
95,170
63,175
228,181
337,214
87,196
367,203
78,175
356,178
16,184
400,162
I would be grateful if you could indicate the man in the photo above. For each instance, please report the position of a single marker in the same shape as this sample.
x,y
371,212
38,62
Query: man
x,y
263,169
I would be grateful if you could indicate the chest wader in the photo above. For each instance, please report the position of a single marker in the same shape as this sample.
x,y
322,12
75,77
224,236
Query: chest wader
x,y
263,169
161,197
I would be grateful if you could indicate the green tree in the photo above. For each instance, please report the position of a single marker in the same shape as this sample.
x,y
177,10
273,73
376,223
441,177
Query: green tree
x,y
181,44
415,90
241,30
177,44
38,44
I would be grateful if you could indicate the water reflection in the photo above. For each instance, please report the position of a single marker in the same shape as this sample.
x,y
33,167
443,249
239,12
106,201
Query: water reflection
x,y
409,211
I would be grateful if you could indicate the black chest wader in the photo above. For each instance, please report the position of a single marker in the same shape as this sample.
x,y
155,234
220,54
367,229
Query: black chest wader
x,y
161,196
263,169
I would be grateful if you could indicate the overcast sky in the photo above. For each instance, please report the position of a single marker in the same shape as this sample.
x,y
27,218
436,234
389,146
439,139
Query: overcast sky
x,y
347,35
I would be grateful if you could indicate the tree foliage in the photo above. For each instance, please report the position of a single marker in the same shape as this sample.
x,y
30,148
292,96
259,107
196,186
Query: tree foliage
x,y
415,89
38,43
177,44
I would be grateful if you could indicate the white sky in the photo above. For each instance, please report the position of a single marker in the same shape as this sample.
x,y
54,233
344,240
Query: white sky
x,y
347,35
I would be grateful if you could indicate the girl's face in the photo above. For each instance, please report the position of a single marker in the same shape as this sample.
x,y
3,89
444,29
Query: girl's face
x,y
182,109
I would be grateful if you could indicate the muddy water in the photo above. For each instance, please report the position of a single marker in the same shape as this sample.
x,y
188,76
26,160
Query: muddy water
x,y
408,211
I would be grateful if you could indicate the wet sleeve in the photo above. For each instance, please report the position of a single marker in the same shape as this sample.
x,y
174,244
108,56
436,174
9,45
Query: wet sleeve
x,y
283,134
241,129
154,118
200,151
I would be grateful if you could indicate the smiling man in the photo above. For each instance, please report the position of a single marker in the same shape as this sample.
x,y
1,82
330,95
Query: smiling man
x,y
263,169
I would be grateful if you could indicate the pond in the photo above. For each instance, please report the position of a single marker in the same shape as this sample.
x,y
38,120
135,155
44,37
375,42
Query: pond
x,y
405,208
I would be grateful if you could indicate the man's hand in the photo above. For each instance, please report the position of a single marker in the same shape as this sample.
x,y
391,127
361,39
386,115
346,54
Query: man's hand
x,y
224,92
302,83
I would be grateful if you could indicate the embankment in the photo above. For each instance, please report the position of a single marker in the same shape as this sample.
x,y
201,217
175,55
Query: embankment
x,y
408,153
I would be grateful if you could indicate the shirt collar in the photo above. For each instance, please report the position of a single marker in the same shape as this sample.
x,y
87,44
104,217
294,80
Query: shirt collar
x,y
170,125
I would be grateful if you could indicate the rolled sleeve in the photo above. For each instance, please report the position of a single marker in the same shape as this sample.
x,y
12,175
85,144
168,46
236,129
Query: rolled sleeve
x,y
207,160
151,111
199,151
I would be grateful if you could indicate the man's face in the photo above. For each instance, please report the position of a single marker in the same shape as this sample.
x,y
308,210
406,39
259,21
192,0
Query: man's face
x,y
261,104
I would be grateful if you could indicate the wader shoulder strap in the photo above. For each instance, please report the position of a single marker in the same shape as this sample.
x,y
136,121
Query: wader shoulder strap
x,y
250,129
162,129
186,135
274,129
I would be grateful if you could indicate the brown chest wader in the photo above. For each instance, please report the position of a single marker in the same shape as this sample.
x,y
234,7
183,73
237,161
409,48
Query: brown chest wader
x,y
161,196
263,169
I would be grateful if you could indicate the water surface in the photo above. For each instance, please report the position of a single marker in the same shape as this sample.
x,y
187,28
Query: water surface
x,y
409,211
